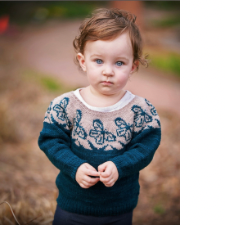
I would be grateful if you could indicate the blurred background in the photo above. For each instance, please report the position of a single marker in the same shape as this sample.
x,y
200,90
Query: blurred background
x,y
37,65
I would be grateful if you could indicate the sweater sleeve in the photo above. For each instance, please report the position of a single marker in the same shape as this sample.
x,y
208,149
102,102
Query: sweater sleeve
x,y
141,149
55,141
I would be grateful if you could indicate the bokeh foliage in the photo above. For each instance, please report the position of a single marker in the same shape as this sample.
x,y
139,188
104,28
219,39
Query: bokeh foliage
x,y
25,12
166,62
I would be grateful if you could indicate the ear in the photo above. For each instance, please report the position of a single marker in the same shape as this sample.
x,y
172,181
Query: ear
x,y
81,60
134,66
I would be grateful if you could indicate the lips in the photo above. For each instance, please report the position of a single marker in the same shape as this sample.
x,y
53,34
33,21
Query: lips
x,y
107,82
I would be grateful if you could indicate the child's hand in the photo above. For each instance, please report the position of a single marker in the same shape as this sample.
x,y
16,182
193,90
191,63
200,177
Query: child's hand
x,y
108,173
83,175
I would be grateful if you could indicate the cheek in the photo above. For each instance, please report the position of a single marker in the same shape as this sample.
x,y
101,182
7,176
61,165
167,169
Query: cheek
x,y
93,75
122,79
94,69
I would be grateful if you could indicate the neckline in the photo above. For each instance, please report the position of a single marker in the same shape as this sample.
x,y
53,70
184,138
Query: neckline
x,y
126,99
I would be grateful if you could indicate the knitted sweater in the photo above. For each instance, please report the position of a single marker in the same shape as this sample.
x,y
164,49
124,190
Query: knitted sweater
x,y
73,134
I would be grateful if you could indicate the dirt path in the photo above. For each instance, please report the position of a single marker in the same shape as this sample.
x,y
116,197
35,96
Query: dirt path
x,y
49,50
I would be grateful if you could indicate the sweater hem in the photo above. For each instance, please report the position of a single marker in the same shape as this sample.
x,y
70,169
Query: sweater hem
x,y
74,207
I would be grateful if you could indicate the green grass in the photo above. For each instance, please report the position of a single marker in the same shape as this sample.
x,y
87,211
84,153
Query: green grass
x,y
70,9
167,22
167,63
50,84
47,82
159,209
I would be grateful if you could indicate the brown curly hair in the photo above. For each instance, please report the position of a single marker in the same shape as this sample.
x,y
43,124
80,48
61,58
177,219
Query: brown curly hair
x,y
106,24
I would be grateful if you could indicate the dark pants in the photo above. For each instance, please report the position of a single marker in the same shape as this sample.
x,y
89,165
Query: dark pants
x,y
67,218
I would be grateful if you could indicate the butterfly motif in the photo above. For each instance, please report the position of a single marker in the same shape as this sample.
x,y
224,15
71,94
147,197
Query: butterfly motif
x,y
100,134
124,129
48,110
60,109
99,149
140,116
78,129
158,122
152,110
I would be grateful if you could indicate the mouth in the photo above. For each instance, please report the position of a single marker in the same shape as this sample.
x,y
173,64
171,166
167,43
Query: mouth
x,y
107,82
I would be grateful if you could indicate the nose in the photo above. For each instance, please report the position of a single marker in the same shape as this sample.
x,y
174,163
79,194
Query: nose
x,y
108,70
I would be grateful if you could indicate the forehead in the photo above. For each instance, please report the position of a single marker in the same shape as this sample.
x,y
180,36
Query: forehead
x,y
120,45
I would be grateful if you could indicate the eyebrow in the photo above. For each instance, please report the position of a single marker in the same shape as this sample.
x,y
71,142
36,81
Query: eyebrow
x,y
119,58
122,58
95,55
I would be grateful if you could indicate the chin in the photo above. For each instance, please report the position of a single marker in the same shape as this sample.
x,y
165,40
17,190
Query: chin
x,y
107,92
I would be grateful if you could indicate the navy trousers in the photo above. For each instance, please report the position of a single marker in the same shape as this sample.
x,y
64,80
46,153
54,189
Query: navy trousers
x,y
63,217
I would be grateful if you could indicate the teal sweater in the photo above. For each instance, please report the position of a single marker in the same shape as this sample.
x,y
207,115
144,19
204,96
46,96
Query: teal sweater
x,y
73,134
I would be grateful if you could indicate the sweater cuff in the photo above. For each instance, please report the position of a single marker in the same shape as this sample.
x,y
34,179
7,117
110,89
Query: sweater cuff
x,y
118,161
74,169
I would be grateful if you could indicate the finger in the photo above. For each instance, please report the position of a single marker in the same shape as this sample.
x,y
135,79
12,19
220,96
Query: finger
x,y
84,184
109,184
102,167
93,181
90,180
105,180
93,173
90,167
108,170
90,170
105,174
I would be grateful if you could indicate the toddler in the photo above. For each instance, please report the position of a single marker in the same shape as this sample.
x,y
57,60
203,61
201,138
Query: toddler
x,y
101,136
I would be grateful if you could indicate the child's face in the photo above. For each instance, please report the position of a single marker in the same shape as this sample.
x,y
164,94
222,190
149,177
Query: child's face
x,y
108,63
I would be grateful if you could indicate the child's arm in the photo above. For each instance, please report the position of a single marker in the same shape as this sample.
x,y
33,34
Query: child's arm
x,y
55,140
140,153
142,147
138,156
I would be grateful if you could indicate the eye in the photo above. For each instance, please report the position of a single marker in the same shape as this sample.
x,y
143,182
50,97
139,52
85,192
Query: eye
x,y
98,61
119,63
